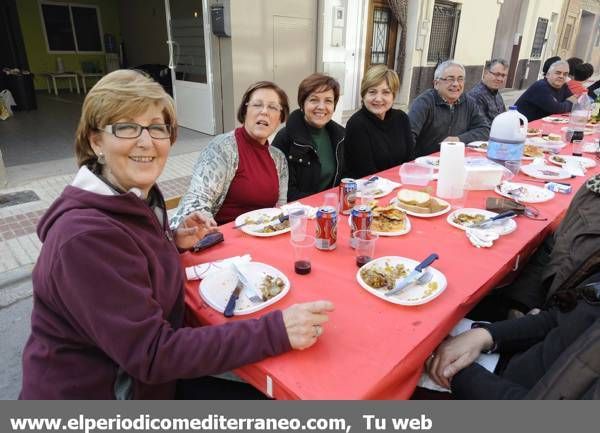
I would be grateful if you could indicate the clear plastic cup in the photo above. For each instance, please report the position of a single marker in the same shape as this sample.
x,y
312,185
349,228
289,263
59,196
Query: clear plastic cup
x,y
303,249
365,241
577,147
332,199
298,223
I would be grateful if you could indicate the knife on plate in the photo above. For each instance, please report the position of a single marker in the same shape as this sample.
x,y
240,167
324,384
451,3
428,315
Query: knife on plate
x,y
230,307
253,294
500,216
416,273
275,220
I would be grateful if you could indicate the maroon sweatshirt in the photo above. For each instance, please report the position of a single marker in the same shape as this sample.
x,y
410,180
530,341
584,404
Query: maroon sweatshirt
x,y
108,308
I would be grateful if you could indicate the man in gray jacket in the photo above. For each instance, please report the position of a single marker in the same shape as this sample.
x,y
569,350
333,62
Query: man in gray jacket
x,y
444,113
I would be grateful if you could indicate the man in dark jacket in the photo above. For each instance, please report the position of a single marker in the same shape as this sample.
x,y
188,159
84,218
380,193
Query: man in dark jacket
x,y
486,93
528,346
547,96
557,262
444,113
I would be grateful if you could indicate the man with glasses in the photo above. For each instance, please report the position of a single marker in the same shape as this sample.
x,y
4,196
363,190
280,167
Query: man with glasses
x,y
486,94
444,113
547,96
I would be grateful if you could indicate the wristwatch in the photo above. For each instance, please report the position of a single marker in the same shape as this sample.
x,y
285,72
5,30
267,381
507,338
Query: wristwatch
x,y
485,325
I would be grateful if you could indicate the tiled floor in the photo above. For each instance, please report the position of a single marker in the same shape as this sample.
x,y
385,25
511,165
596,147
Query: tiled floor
x,y
19,244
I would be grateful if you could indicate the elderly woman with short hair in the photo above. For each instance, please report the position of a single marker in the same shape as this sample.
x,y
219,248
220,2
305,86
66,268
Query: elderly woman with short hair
x,y
107,319
239,171
312,142
377,136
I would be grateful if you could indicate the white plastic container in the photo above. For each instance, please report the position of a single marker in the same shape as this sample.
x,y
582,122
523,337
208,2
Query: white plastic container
x,y
507,136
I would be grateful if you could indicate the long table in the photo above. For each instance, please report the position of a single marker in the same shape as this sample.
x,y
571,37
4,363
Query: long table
x,y
372,349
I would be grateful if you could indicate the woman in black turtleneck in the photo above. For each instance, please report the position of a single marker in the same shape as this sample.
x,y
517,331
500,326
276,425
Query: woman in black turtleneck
x,y
377,136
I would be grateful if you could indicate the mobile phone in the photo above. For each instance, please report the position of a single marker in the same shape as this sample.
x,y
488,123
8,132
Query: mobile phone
x,y
208,241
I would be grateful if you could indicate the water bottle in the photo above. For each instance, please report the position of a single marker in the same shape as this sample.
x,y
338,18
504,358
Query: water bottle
x,y
578,118
507,138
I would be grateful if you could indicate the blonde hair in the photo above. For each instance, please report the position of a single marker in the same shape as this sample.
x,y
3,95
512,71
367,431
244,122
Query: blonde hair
x,y
121,94
375,75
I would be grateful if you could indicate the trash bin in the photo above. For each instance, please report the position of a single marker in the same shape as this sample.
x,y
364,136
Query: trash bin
x,y
21,87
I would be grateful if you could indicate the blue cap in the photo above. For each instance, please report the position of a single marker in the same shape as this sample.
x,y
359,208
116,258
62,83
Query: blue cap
x,y
512,107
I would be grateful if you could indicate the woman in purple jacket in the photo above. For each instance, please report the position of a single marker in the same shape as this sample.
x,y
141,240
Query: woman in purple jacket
x,y
107,320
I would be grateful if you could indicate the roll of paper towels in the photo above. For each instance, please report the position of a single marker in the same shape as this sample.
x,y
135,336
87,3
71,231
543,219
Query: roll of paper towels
x,y
452,172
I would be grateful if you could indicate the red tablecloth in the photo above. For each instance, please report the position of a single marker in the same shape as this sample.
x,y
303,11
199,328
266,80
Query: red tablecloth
x,y
372,349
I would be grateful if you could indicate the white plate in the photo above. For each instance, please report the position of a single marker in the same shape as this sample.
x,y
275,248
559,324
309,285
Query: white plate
x,y
260,215
585,162
475,145
424,215
217,287
555,119
411,295
407,228
429,161
590,147
534,134
586,131
502,227
532,194
544,143
384,185
543,172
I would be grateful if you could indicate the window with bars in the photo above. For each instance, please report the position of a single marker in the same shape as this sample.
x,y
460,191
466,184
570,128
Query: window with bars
x,y
539,38
444,26
567,33
381,34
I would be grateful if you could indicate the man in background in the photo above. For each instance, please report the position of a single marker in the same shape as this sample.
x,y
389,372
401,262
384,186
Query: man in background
x,y
486,94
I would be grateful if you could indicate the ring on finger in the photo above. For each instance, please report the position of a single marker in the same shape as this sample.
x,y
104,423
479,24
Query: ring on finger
x,y
318,330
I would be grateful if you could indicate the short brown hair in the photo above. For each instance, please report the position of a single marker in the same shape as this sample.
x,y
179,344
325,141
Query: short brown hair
x,y
318,83
283,99
122,93
375,75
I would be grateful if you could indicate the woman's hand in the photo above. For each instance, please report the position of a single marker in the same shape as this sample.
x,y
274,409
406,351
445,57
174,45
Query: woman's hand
x,y
456,353
303,322
193,228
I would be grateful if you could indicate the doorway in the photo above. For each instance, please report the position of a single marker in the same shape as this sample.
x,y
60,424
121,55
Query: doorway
x,y
188,31
382,32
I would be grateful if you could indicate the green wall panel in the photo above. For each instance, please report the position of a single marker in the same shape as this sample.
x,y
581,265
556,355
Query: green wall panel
x,y
40,60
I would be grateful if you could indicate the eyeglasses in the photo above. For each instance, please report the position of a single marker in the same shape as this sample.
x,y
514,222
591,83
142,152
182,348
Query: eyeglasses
x,y
133,130
451,80
260,105
590,293
498,74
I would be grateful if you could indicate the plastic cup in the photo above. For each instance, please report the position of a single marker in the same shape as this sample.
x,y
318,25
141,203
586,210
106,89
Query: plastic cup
x,y
367,195
459,198
513,167
577,147
365,241
332,199
303,249
298,223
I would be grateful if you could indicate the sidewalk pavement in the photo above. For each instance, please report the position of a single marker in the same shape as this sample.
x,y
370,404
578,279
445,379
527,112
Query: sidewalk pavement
x,y
19,244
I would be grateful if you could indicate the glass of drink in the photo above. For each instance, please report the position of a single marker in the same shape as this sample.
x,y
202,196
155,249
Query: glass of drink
x,y
365,241
578,147
367,194
298,223
303,249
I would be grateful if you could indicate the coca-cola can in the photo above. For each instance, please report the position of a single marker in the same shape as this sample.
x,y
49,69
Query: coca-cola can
x,y
360,219
326,231
348,189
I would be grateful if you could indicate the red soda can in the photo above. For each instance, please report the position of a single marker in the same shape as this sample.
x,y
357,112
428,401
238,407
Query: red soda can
x,y
326,231
360,219
348,189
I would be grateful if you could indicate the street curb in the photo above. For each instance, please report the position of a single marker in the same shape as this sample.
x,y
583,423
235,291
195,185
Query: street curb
x,y
15,276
